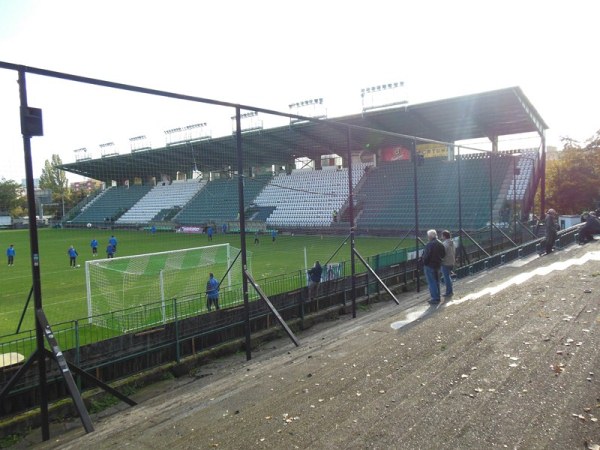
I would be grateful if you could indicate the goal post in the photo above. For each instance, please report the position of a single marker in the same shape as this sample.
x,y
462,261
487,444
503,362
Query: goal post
x,y
135,292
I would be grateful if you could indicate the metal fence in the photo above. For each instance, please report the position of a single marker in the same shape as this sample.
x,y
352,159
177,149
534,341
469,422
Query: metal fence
x,y
113,356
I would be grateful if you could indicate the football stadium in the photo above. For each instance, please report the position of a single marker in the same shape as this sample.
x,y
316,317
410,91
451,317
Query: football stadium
x,y
254,203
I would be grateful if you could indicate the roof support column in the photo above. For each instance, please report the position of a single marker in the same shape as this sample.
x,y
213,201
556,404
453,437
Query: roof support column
x,y
543,179
494,140
450,152
318,163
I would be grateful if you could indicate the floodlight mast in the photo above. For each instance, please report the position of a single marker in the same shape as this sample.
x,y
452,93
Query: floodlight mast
x,y
240,167
31,125
35,257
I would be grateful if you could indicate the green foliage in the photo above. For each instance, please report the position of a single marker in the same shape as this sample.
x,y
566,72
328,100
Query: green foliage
x,y
573,180
11,196
104,400
102,403
10,440
166,376
52,177
55,180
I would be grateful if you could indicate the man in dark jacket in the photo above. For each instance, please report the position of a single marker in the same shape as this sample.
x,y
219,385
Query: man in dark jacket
x,y
314,274
551,230
432,261
591,227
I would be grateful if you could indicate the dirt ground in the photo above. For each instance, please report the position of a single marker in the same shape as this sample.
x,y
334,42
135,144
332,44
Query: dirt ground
x,y
511,362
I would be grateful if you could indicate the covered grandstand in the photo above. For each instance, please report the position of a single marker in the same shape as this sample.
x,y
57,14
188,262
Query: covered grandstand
x,y
417,173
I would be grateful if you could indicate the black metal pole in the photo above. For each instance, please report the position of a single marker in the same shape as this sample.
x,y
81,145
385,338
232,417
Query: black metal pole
x,y
515,198
35,259
402,239
351,214
460,225
491,204
24,310
379,280
416,199
337,250
543,181
240,170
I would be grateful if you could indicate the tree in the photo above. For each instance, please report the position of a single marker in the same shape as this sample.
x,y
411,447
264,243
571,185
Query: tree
x,y
55,180
573,180
11,197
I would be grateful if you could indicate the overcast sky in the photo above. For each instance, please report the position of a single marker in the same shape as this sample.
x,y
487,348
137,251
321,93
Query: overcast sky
x,y
272,53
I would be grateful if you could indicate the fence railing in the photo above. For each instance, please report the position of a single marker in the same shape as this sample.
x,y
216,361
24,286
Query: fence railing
x,y
101,349
79,332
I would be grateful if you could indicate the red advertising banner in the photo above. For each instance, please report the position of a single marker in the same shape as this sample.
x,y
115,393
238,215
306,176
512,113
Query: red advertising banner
x,y
394,154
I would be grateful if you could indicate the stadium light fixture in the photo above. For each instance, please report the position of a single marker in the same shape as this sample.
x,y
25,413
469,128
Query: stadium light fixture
x,y
383,96
313,108
188,133
139,143
108,149
81,154
249,121
249,114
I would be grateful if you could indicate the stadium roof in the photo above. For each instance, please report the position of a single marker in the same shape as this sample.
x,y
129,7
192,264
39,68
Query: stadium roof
x,y
483,115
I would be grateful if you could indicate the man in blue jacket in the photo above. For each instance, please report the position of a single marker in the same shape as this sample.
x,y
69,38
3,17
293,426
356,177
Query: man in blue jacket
x,y
94,245
113,241
10,253
212,292
72,257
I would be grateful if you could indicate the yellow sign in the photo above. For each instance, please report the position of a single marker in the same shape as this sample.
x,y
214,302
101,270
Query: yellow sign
x,y
432,150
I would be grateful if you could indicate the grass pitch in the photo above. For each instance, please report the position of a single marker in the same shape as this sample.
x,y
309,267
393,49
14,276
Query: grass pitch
x,y
63,288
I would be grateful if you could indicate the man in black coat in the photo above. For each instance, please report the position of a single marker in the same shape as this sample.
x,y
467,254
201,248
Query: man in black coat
x,y
432,262
551,230
314,274
591,227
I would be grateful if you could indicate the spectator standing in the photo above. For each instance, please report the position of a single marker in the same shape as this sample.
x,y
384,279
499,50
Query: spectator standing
x,y
551,230
256,241
94,245
314,274
448,262
10,254
209,232
212,292
72,256
432,261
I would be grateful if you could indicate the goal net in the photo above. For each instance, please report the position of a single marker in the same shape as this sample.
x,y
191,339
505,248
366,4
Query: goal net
x,y
135,292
